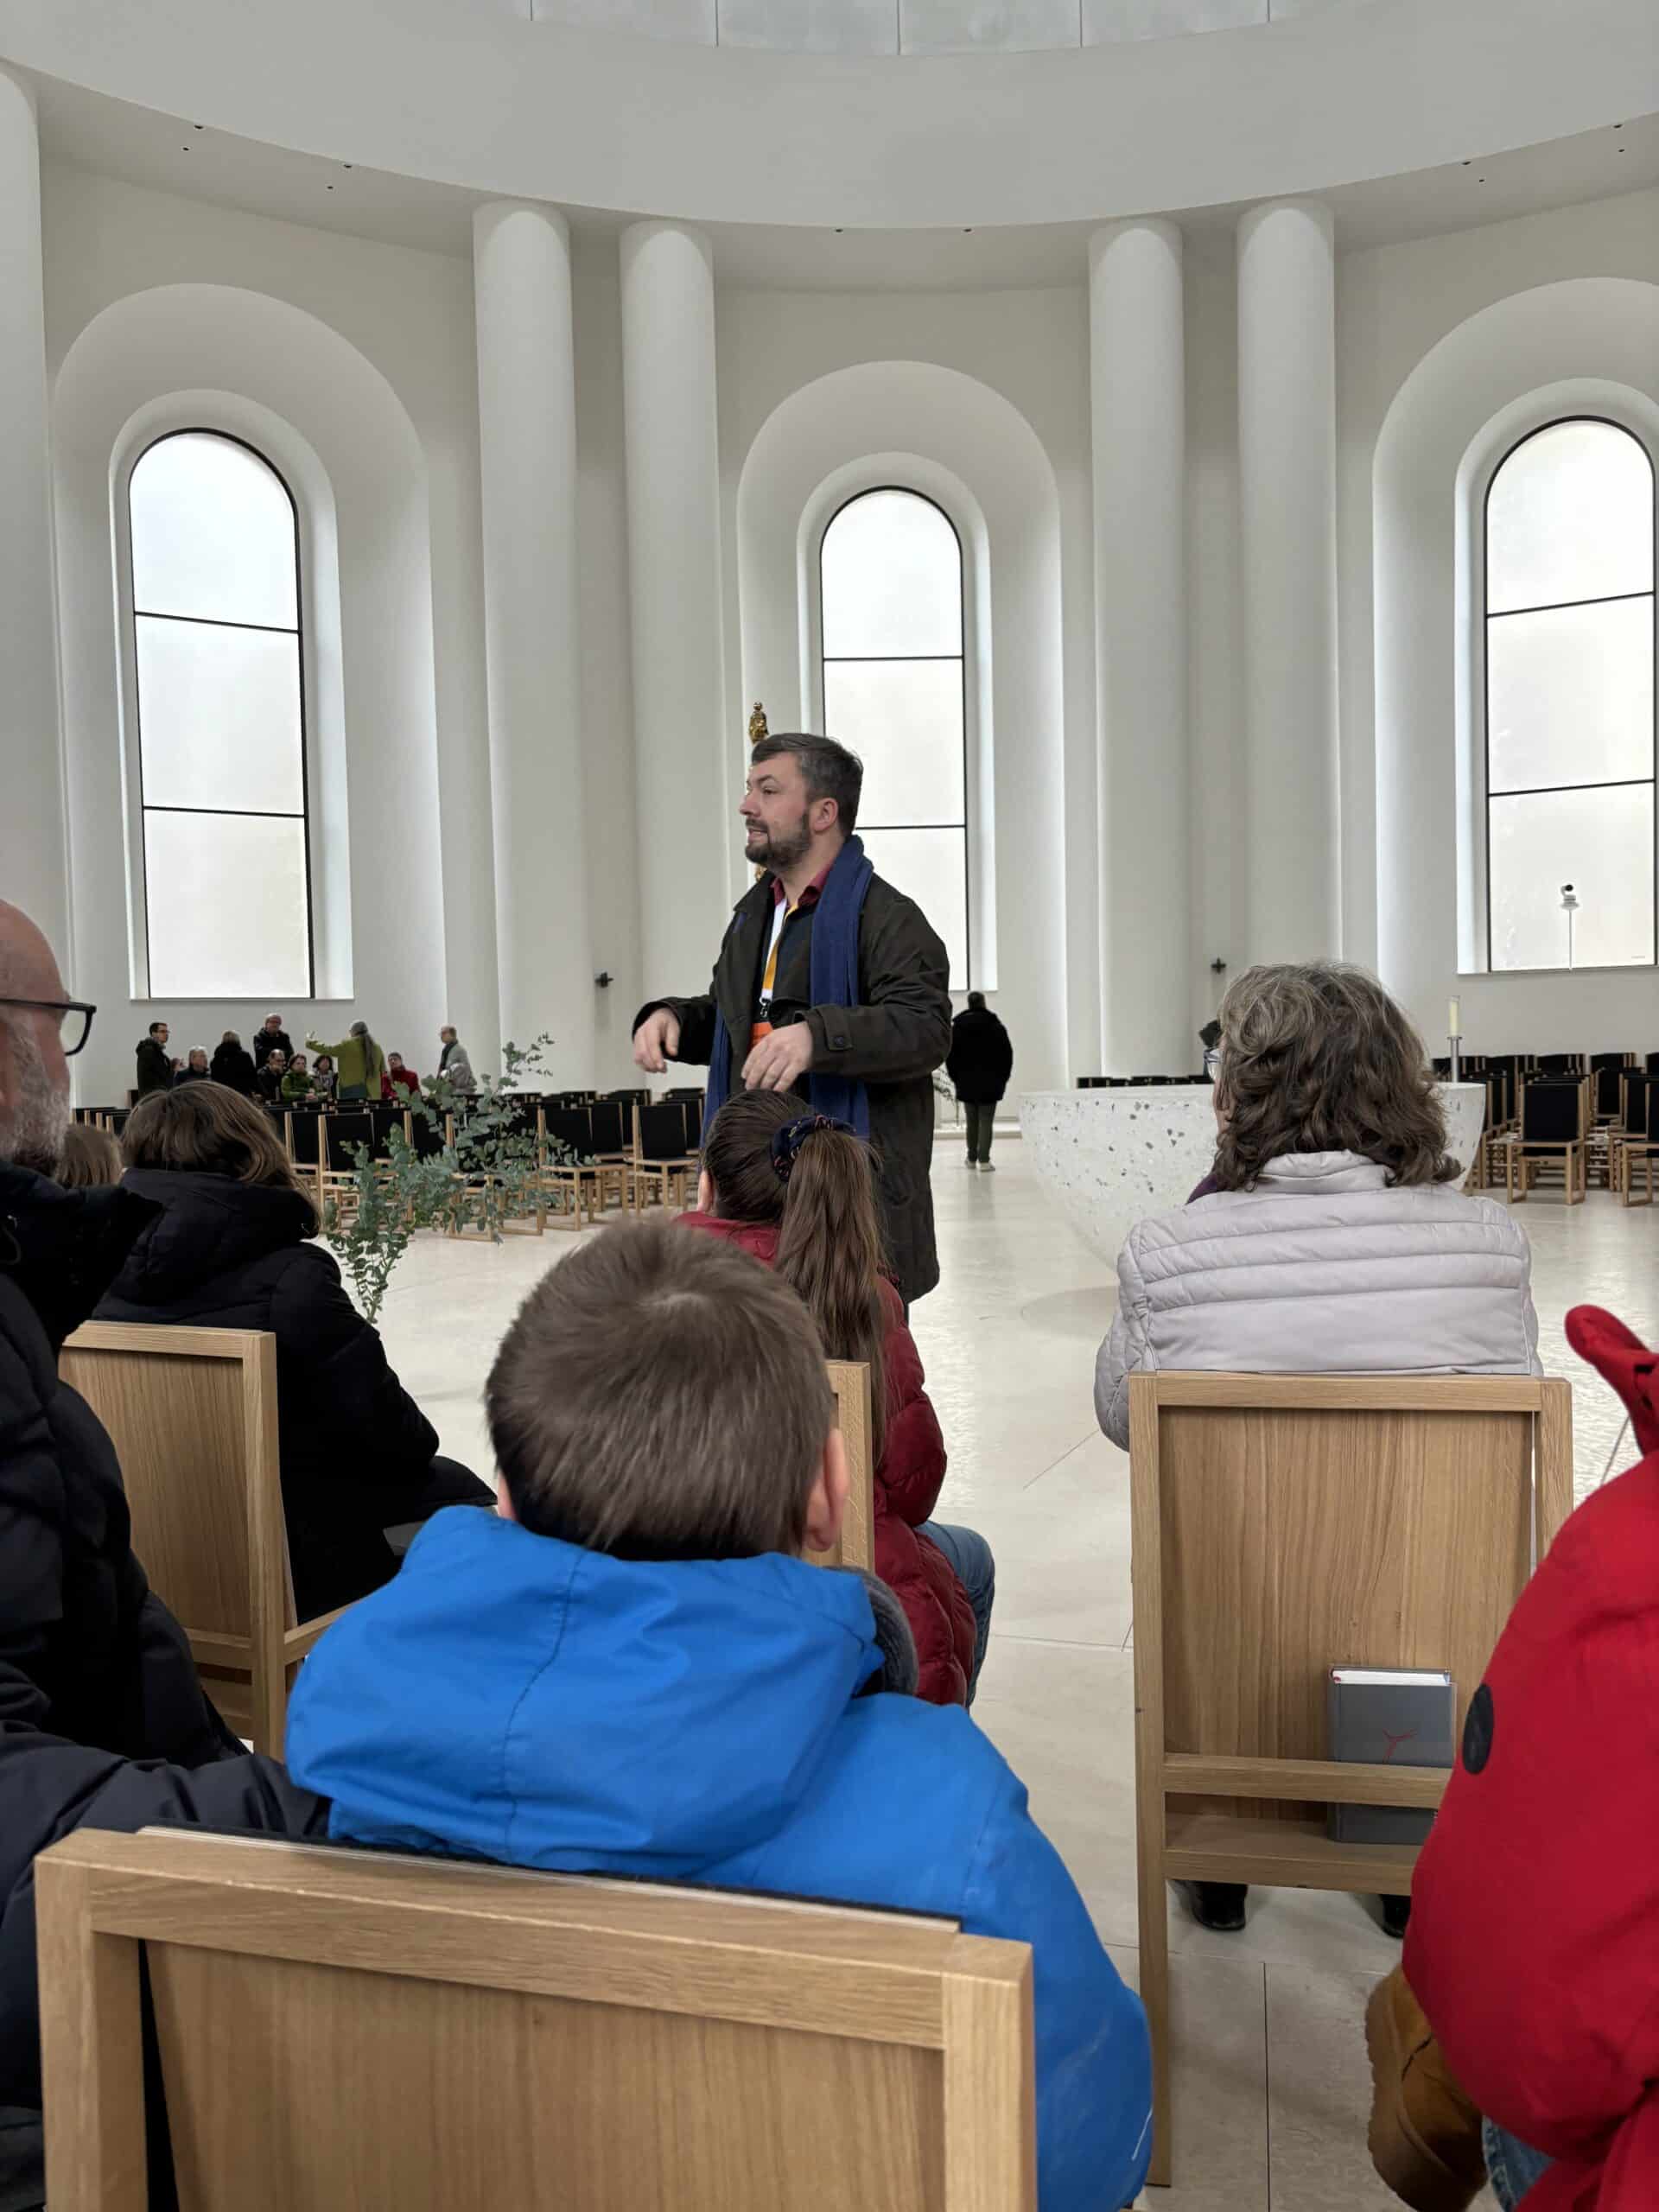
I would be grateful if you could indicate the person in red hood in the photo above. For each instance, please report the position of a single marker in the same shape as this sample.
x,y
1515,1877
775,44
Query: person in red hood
x,y
397,1082
797,1192
1534,1947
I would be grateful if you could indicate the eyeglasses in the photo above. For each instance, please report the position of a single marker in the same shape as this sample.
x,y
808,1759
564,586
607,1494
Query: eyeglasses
x,y
74,1018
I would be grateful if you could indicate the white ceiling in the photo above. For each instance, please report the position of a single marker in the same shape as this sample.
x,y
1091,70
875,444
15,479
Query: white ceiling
x,y
174,154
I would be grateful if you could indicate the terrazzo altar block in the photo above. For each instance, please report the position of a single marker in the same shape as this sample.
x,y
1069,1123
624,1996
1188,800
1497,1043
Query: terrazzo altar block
x,y
1107,1159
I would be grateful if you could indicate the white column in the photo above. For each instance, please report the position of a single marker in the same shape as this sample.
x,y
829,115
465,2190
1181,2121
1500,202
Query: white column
x,y
34,859
689,764
527,437
1287,493
1138,393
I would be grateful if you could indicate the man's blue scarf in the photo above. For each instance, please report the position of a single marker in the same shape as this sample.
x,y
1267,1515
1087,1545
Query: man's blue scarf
x,y
833,981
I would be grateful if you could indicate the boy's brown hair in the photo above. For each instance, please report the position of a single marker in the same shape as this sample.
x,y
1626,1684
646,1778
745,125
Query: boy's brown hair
x,y
205,1130
661,1395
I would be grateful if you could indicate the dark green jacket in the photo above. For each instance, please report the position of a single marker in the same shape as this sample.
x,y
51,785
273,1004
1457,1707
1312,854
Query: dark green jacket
x,y
893,1041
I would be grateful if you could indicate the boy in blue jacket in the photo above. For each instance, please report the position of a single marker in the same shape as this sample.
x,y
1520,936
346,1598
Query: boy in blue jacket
x,y
632,1670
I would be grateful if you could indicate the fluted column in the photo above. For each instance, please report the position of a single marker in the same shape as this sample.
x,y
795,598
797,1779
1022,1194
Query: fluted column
x,y
1287,473
527,436
688,776
1137,382
34,857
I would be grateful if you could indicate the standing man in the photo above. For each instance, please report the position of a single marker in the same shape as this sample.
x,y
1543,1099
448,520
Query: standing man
x,y
154,1068
981,1062
454,1066
829,984
271,1037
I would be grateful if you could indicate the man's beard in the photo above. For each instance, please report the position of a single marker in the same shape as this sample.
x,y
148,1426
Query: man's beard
x,y
41,1122
779,849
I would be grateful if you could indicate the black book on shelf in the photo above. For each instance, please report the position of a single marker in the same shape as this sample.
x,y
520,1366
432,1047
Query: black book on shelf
x,y
1387,1716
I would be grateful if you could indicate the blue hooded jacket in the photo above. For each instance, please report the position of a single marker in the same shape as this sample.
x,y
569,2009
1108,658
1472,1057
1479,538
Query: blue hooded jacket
x,y
514,1698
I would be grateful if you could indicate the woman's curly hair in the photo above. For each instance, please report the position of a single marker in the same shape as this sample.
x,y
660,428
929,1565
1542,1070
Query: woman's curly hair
x,y
1320,1058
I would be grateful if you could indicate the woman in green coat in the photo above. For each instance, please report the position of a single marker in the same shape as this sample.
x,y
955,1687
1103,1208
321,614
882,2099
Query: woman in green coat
x,y
359,1065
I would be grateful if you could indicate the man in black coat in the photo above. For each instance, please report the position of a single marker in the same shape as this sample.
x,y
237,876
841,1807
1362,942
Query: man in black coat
x,y
103,1720
271,1037
154,1068
871,1041
232,1064
981,1062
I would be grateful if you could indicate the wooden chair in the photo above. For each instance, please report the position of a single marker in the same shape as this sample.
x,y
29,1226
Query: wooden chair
x,y
850,1381
193,1416
353,2028
1555,1124
1281,1525
662,1169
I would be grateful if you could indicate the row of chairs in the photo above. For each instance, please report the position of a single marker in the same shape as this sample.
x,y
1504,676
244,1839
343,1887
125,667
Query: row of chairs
x,y
1280,1524
1601,1122
1135,1082
192,1415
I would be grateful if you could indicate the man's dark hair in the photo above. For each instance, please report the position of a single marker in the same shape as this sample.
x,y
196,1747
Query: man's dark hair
x,y
828,770
975,1002
660,1395
155,1026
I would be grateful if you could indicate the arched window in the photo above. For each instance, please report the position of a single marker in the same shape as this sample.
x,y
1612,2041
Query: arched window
x,y
890,577
221,722
1569,662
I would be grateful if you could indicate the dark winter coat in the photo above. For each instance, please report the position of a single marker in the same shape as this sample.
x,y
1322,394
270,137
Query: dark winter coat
x,y
907,1483
226,1255
95,1674
981,1057
890,1041
155,1067
267,1041
232,1067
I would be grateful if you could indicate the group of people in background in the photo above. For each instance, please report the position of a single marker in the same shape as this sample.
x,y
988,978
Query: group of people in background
x,y
355,1072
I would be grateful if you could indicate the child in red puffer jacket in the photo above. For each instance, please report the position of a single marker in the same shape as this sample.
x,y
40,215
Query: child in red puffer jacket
x,y
797,1192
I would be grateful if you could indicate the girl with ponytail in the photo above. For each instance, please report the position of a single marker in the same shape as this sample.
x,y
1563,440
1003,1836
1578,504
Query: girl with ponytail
x,y
797,1192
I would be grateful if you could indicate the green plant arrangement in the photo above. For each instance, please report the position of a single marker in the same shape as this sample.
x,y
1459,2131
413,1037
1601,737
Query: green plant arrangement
x,y
489,1176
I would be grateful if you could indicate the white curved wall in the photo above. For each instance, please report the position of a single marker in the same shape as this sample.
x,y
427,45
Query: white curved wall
x,y
268,361
963,443
492,101
1586,340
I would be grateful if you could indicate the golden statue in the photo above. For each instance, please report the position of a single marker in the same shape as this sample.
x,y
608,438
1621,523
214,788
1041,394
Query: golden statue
x,y
758,729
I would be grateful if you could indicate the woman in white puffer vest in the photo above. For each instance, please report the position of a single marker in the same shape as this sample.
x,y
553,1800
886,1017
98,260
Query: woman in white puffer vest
x,y
1326,1239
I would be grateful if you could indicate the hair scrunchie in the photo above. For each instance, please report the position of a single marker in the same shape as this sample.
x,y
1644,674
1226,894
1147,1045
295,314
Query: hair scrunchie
x,y
788,1140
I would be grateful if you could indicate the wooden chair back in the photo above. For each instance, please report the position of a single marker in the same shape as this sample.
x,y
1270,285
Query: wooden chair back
x,y
850,1381
1282,1525
192,1413
343,2027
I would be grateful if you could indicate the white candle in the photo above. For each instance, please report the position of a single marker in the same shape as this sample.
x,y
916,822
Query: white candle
x,y
1454,1023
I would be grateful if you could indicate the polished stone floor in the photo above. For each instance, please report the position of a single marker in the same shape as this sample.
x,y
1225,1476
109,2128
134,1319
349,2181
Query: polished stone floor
x,y
1271,2084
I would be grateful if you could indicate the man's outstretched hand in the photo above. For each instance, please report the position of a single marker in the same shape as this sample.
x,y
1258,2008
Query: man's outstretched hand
x,y
778,1062
656,1040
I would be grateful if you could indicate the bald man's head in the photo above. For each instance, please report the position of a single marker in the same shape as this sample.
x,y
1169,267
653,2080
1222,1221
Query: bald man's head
x,y
33,1073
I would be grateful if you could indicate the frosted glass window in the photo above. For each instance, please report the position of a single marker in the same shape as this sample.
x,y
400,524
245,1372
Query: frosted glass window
x,y
903,718
1598,841
227,905
212,533
1569,674
890,580
221,717
926,866
1569,517
220,670
1569,696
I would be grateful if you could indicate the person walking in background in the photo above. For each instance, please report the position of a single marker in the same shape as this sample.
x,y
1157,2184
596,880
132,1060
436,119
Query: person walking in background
x,y
399,1084
323,1077
268,1084
359,1065
979,1063
454,1066
798,1192
271,1037
297,1083
232,1065
195,1068
232,1248
154,1068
